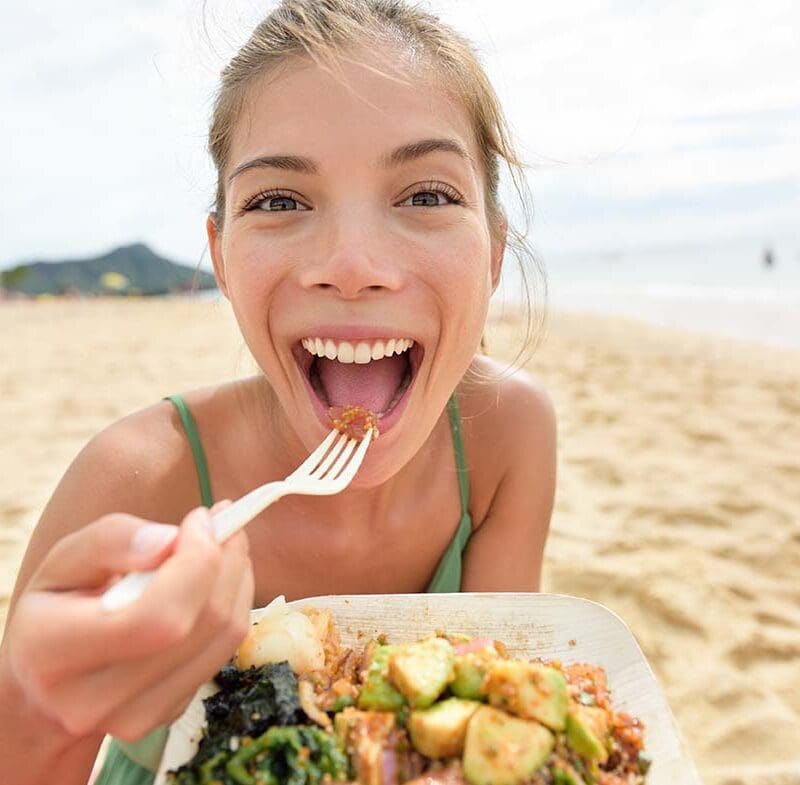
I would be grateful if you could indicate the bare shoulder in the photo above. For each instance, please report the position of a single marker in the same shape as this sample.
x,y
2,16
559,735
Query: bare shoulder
x,y
510,427
140,465
136,465
512,436
508,413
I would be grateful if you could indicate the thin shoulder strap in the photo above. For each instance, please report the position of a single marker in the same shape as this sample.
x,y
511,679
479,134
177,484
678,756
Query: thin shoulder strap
x,y
193,436
461,463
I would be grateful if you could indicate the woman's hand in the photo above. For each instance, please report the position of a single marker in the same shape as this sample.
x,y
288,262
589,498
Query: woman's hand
x,y
125,672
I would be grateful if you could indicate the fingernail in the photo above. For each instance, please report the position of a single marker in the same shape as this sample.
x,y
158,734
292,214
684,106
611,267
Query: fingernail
x,y
153,537
200,518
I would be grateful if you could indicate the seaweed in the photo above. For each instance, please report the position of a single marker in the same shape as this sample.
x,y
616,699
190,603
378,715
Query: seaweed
x,y
248,704
251,701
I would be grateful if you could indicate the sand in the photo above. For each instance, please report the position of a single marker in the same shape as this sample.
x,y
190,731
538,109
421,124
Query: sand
x,y
678,503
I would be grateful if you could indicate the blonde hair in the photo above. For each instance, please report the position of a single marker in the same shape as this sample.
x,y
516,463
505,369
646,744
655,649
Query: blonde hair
x,y
324,30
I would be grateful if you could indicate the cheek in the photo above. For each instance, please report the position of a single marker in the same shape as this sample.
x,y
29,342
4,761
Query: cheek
x,y
462,271
252,272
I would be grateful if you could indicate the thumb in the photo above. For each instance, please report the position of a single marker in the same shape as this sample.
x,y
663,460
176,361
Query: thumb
x,y
111,545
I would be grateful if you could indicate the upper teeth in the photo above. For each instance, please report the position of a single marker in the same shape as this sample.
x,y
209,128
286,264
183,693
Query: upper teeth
x,y
361,352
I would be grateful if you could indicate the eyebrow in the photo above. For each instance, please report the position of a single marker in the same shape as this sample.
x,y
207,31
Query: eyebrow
x,y
398,156
410,152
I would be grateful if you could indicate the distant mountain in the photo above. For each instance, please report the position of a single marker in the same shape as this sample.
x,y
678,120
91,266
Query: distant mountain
x,y
129,270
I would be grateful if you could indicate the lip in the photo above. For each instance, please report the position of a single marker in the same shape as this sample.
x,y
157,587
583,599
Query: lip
x,y
304,360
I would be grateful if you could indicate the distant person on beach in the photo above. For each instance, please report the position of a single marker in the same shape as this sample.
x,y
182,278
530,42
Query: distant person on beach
x,y
358,235
768,258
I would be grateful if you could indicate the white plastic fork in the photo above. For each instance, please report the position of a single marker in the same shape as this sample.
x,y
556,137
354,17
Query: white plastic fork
x,y
328,470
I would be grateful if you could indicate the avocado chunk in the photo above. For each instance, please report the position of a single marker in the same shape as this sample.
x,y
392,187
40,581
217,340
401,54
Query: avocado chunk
x,y
469,672
422,670
438,732
587,732
564,774
529,690
503,750
377,692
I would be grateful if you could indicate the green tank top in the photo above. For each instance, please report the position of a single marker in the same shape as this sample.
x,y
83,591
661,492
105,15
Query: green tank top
x,y
136,763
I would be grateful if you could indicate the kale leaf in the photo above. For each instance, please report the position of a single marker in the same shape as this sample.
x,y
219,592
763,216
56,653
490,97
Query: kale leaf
x,y
297,755
247,705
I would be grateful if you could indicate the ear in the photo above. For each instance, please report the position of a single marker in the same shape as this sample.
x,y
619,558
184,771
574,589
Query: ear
x,y
215,248
499,239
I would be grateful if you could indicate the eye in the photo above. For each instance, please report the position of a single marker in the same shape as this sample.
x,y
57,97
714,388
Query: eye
x,y
274,202
432,195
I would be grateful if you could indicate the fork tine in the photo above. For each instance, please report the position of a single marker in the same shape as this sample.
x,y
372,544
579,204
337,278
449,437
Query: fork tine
x,y
349,471
330,457
344,455
313,460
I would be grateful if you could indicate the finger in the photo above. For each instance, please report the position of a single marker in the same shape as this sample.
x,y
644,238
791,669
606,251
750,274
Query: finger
x,y
214,621
164,615
220,505
111,545
180,687
109,697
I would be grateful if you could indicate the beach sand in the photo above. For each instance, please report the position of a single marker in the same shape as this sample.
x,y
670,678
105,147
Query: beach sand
x,y
678,501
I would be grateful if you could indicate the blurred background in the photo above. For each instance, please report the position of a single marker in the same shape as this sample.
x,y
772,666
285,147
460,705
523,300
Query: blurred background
x,y
664,162
662,140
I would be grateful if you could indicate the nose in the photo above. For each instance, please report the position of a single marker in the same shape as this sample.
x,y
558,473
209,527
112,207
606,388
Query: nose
x,y
354,258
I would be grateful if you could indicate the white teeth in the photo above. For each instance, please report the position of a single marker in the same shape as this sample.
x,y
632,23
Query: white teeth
x,y
362,353
345,353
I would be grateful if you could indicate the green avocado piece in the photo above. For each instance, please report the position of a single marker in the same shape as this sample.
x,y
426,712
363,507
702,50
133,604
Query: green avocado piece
x,y
529,690
469,672
377,692
564,774
422,670
503,750
587,731
438,732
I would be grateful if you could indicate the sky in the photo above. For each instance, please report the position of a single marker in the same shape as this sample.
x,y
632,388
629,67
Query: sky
x,y
647,125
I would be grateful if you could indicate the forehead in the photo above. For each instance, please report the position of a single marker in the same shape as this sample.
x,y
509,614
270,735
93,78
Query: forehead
x,y
362,110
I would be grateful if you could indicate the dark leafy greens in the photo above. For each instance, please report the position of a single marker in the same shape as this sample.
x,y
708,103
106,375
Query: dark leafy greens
x,y
251,701
247,743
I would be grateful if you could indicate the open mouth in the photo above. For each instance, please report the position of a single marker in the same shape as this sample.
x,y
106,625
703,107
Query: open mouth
x,y
376,374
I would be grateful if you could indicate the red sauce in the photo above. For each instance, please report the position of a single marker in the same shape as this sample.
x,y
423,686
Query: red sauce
x,y
354,421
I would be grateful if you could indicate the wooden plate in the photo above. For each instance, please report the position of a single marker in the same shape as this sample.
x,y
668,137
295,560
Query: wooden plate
x,y
551,626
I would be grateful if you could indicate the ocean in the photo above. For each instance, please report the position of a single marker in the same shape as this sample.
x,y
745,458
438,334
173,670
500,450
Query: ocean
x,y
728,292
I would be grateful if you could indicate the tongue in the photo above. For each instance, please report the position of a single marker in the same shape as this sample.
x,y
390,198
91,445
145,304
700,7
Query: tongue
x,y
371,385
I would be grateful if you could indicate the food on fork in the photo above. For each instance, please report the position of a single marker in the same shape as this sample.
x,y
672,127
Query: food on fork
x,y
398,714
354,421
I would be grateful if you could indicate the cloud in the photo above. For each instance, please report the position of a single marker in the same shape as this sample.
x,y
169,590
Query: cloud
x,y
627,112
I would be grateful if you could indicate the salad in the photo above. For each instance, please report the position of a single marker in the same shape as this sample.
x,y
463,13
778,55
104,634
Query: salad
x,y
297,707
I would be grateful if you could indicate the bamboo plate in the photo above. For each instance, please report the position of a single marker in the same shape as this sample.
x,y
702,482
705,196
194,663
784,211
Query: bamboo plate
x,y
551,626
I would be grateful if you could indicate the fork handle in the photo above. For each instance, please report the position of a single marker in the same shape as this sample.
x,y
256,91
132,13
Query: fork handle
x,y
225,523
231,518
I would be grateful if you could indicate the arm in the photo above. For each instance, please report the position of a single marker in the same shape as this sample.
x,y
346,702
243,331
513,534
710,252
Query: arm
x,y
69,670
518,434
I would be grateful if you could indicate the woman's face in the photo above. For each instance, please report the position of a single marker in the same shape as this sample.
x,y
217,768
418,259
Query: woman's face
x,y
355,219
